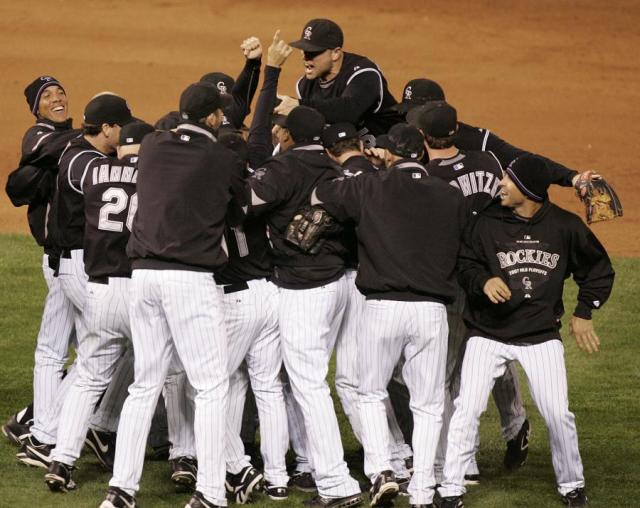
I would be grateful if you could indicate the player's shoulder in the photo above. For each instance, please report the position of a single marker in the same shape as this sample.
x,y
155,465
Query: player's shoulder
x,y
564,217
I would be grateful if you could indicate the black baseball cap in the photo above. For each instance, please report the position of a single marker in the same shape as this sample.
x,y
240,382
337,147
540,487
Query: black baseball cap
x,y
34,90
107,108
223,81
417,92
531,175
338,132
438,120
201,99
304,124
318,35
132,133
403,140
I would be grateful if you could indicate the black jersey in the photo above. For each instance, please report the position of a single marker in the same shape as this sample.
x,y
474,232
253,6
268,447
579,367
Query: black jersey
x,y
69,201
110,203
534,257
33,183
358,95
280,188
186,181
476,174
409,230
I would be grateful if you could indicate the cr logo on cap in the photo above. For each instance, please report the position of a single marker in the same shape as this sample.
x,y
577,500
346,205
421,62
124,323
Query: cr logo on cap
x,y
307,33
408,93
222,88
46,78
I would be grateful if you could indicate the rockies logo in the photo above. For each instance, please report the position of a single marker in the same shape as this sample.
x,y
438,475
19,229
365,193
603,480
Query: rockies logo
x,y
222,88
408,93
528,286
307,33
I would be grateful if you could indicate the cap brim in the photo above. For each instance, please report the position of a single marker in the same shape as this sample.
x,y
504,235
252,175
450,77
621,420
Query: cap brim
x,y
383,141
403,107
122,123
305,45
414,114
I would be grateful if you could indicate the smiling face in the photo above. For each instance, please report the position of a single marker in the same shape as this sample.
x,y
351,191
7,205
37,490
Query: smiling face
x,y
53,104
510,195
318,64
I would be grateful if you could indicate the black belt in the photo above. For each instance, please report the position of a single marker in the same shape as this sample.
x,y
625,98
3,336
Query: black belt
x,y
234,288
105,280
66,254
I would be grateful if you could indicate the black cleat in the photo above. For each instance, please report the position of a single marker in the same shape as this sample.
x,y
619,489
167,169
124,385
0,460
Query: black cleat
x,y
403,484
472,479
198,501
58,477
185,473
15,431
34,453
240,486
451,502
103,445
384,490
334,502
518,448
303,482
118,498
575,498
160,452
275,493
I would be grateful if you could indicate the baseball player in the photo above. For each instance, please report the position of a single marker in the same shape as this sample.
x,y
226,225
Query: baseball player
x,y
241,90
33,184
175,246
312,297
110,201
513,268
343,86
409,228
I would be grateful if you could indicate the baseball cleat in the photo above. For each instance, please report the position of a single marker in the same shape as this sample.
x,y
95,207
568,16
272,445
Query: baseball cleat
x,y
518,448
160,452
185,472
451,502
472,479
384,489
242,485
15,431
198,501
403,484
103,445
58,477
334,502
575,498
118,498
34,453
303,482
275,492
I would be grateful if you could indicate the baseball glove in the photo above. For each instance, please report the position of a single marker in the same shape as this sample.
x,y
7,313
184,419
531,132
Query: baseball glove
x,y
309,227
600,200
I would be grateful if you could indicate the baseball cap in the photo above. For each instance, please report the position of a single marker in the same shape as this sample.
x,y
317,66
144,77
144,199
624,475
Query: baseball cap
x,y
338,132
304,124
318,35
417,92
132,133
201,99
403,140
531,175
438,120
34,90
107,108
224,83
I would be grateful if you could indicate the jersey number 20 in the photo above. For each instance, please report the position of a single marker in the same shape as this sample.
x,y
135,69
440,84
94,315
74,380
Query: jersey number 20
x,y
116,201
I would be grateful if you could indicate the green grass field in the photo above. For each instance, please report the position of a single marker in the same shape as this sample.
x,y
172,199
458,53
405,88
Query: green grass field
x,y
603,392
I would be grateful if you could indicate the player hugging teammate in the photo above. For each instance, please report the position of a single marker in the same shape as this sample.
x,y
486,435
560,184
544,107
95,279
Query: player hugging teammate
x,y
203,265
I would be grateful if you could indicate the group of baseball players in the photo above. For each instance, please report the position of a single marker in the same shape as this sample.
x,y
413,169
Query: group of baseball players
x,y
171,270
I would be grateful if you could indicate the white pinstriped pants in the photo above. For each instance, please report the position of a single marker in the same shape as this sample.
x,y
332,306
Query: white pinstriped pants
x,y
484,361
181,311
417,331
309,320
104,345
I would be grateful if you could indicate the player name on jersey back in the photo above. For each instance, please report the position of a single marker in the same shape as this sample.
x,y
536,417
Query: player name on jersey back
x,y
107,173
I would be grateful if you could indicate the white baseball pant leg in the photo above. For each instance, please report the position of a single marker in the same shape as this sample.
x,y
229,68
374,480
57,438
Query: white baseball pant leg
x,y
182,310
297,431
309,321
179,402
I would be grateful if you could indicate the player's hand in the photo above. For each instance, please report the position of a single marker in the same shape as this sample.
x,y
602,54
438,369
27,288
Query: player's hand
x,y
251,48
375,155
586,338
497,291
287,104
278,52
581,179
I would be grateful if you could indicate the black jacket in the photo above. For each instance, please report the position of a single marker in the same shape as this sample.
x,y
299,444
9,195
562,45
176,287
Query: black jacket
x,y
534,257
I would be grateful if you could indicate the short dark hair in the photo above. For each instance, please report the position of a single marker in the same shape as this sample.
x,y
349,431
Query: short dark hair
x,y
344,146
440,143
93,130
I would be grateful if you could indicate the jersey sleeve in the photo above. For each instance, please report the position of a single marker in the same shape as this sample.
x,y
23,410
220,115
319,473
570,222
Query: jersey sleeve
x,y
341,197
28,185
269,185
78,167
364,90
260,143
243,91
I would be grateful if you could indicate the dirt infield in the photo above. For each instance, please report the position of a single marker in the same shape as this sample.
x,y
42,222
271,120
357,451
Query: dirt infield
x,y
558,78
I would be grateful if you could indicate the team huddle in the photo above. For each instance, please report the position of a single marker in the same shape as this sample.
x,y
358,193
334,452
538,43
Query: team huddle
x,y
205,270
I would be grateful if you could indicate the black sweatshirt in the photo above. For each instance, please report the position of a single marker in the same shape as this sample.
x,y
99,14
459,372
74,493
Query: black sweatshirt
x,y
243,91
358,95
409,229
186,181
33,183
260,142
281,187
534,257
